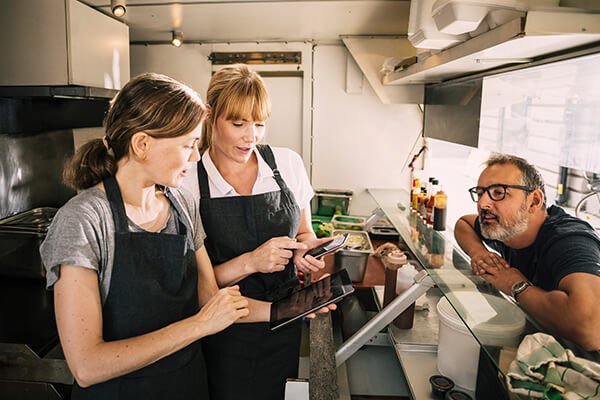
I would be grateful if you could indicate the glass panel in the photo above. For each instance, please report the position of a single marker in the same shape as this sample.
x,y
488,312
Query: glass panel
x,y
545,114
496,322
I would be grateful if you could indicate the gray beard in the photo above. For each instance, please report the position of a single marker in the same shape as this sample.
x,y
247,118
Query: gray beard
x,y
506,229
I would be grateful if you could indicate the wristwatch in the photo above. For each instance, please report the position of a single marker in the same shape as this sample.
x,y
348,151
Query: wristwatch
x,y
518,287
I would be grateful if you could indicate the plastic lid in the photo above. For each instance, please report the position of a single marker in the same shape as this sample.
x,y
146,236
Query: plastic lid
x,y
396,257
509,321
455,394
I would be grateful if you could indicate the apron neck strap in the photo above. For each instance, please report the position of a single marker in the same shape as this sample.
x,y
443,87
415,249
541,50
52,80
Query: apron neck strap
x,y
267,154
117,207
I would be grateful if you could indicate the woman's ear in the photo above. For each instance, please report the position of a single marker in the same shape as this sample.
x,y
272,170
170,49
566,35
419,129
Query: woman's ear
x,y
139,145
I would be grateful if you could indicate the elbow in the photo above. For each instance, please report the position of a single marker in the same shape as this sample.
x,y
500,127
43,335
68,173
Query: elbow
x,y
587,337
85,376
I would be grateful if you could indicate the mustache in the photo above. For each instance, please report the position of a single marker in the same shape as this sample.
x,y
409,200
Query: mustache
x,y
485,213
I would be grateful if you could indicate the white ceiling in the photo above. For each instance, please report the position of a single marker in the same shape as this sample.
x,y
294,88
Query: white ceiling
x,y
238,21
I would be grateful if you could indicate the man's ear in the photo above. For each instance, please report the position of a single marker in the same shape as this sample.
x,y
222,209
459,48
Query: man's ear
x,y
537,200
139,145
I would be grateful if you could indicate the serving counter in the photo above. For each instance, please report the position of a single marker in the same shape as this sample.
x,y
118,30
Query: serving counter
x,y
481,307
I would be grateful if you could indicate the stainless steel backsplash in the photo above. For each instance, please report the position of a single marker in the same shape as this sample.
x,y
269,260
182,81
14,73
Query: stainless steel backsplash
x,y
31,168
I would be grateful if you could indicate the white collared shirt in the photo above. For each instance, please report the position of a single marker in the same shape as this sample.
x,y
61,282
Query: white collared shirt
x,y
290,167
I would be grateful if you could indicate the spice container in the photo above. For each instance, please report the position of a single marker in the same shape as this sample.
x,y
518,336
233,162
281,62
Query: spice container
x,y
392,262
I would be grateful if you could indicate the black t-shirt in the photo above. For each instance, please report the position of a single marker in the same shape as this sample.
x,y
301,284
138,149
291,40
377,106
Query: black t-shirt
x,y
564,245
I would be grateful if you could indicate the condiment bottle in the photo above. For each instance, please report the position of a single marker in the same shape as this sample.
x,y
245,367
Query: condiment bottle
x,y
423,203
405,279
414,190
392,262
431,201
439,211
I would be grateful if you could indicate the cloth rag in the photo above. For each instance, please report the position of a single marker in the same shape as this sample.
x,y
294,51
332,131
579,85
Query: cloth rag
x,y
543,369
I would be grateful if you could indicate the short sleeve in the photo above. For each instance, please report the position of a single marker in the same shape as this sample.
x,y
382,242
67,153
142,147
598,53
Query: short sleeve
x,y
73,238
295,176
571,254
191,206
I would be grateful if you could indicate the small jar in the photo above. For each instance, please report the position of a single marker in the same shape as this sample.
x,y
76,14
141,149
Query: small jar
x,y
455,394
440,384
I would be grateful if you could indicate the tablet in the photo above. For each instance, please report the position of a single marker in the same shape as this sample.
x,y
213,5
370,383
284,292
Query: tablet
x,y
310,299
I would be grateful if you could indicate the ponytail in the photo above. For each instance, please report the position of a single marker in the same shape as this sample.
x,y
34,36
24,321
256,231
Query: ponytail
x,y
90,165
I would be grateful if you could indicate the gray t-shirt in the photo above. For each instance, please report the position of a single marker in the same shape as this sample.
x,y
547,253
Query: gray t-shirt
x,y
83,234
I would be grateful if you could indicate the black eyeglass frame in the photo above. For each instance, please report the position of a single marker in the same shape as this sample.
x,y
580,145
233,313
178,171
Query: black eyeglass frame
x,y
475,196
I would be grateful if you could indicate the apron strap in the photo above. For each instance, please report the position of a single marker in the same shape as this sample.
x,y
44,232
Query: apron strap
x,y
267,154
183,217
117,207
203,180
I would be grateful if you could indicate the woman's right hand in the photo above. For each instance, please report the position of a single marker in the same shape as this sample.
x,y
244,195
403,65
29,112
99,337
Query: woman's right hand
x,y
223,309
274,254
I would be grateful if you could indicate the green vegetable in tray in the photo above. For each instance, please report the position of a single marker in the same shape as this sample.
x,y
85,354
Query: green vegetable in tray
x,y
324,230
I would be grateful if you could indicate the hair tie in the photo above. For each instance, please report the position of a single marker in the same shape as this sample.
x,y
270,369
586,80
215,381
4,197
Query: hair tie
x,y
105,143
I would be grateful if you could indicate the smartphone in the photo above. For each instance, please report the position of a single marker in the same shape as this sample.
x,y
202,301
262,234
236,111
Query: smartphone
x,y
310,299
328,247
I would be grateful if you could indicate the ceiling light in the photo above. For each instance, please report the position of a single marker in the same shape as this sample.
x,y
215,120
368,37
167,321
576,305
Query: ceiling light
x,y
118,7
177,39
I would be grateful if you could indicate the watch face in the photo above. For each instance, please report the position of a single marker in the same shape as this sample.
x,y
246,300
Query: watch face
x,y
518,287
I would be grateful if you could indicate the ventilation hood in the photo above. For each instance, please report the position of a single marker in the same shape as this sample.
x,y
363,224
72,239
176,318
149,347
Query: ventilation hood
x,y
522,40
61,92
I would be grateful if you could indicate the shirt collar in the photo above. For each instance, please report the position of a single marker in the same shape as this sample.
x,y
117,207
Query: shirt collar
x,y
220,184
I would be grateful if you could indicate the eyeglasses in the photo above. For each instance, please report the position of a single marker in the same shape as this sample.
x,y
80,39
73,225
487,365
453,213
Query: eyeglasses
x,y
496,192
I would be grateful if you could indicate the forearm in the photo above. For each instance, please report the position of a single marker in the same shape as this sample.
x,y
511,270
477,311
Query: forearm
x,y
234,270
467,238
260,311
563,315
97,361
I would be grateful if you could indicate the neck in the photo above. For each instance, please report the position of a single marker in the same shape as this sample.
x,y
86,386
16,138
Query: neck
x,y
229,168
136,189
528,237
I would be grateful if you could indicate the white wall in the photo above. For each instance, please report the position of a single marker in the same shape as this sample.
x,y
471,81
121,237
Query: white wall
x,y
188,64
358,142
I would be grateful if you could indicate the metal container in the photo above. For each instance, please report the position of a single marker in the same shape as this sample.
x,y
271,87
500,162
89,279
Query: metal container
x,y
355,253
20,238
328,202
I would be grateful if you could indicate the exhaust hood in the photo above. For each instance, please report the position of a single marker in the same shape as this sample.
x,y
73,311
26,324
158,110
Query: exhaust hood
x,y
521,40
537,35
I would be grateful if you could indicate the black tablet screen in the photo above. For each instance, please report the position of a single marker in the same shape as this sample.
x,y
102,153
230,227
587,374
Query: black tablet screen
x,y
310,298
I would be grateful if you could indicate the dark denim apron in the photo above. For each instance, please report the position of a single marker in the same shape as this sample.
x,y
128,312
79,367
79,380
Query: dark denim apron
x,y
154,283
248,361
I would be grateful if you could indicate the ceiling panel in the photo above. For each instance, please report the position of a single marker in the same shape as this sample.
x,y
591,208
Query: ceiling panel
x,y
222,21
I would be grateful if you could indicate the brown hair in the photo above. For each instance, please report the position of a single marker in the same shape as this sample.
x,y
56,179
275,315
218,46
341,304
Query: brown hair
x,y
235,92
151,103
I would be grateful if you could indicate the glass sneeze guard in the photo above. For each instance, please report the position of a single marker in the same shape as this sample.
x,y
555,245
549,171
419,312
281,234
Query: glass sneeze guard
x,y
496,322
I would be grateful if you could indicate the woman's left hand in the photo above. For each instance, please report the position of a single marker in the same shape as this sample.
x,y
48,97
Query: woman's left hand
x,y
329,307
309,263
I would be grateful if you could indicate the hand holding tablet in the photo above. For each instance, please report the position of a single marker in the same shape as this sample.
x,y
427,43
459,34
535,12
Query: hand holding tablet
x,y
310,299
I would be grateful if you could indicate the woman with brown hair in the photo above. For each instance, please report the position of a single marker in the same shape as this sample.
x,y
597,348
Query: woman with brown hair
x,y
134,288
254,202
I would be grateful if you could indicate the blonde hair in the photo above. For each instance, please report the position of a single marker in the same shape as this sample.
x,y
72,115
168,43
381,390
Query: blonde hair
x,y
234,92
151,103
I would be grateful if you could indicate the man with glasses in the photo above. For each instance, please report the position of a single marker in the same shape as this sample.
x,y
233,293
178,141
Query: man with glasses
x,y
546,259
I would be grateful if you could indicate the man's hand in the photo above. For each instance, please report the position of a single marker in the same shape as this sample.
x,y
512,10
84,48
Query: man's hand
x,y
487,262
503,278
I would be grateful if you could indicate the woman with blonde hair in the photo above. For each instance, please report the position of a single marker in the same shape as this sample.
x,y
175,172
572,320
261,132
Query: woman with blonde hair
x,y
134,289
254,202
